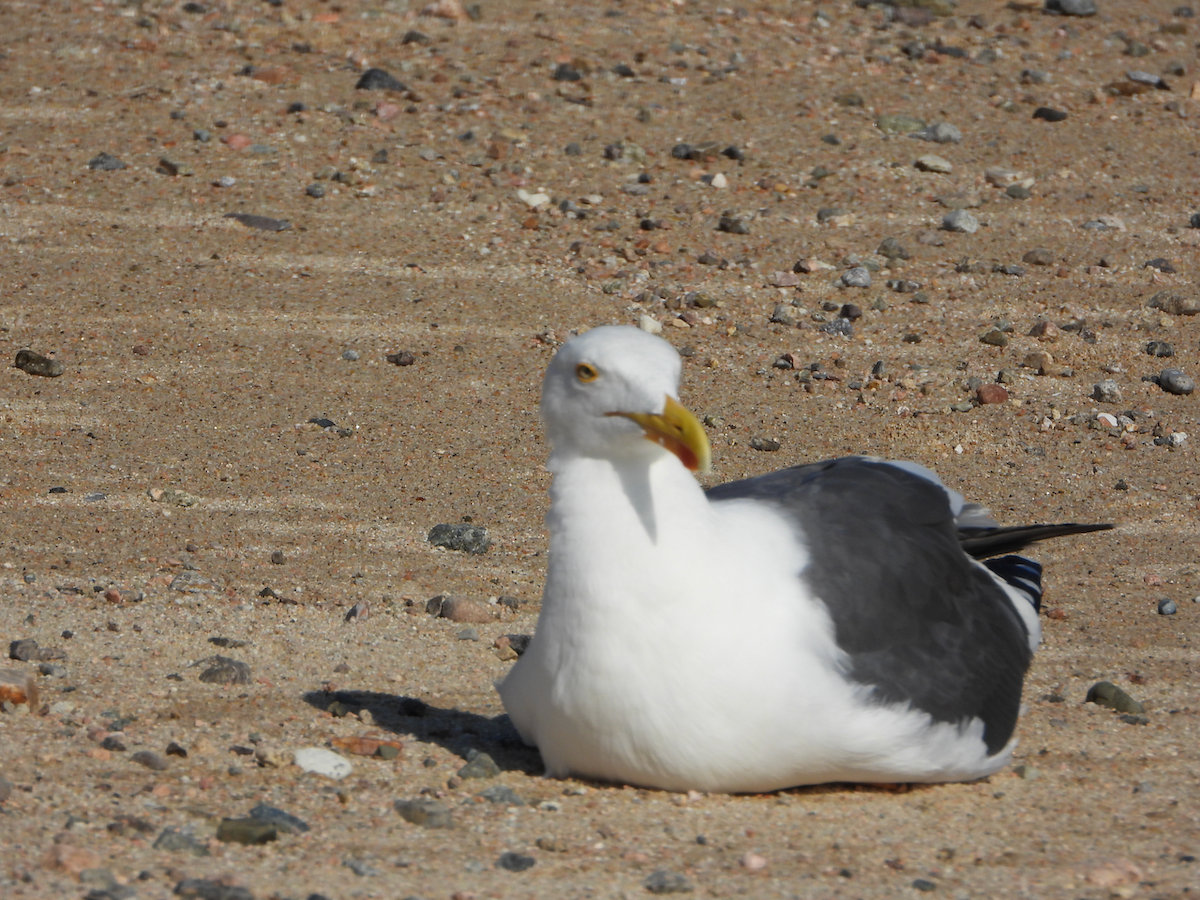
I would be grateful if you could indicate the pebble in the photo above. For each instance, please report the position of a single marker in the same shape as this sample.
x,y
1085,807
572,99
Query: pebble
x,y
765,445
960,221
1105,693
350,355
649,324
924,885
1049,115
939,132
515,862
1159,349
203,135
180,842
105,162
459,609
403,358
1174,304
261,223
859,276
249,831
931,163
1072,7
1045,330
23,650
203,889
662,881
732,225
1175,381
32,363
6,789
752,862
282,821
1106,391
1167,607
223,670
991,393
1039,256
995,338
155,762
468,634
899,124
168,166
360,868
1163,265
501,795
379,80
425,813
1018,192
460,536
320,761
1040,361
480,765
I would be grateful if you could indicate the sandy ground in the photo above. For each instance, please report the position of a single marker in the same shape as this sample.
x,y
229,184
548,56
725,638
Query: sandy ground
x,y
196,350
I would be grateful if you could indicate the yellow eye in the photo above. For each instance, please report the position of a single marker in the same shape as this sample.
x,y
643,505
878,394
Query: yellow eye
x,y
586,373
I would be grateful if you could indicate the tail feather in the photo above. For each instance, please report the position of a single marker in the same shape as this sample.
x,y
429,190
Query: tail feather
x,y
984,542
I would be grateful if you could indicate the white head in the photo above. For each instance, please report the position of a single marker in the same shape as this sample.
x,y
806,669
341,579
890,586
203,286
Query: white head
x,y
611,387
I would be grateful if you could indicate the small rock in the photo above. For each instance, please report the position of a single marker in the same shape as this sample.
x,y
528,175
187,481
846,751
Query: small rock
x,y
32,363
931,163
203,889
994,337
991,393
1040,361
480,766
1174,304
6,789
359,611
1039,256
1107,391
379,80
460,536
180,842
960,221
1049,115
1105,693
1018,192
320,761
424,813
661,881
403,358
858,276
1072,7
939,132
249,831
23,650
752,862
350,355
105,162
649,324
1167,607
924,885
70,859
1160,263
515,862
899,124
765,445
156,762
1159,349
501,795
261,223
1175,381
1045,330
223,670
731,225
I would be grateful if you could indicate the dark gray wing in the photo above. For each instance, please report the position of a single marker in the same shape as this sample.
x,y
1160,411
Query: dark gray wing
x,y
984,542
920,621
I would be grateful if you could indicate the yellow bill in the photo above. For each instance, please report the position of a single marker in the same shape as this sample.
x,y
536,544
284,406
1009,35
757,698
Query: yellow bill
x,y
677,430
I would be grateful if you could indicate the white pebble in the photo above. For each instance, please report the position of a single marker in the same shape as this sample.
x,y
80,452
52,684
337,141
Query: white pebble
x,y
649,324
719,181
320,761
533,201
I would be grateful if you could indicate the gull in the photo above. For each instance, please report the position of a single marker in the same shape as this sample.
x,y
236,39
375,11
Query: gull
x,y
822,623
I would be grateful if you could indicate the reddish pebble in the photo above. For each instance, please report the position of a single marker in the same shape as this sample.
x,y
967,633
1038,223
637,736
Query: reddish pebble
x,y
237,141
752,862
205,783
1057,614
99,753
112,595
991,393
387,111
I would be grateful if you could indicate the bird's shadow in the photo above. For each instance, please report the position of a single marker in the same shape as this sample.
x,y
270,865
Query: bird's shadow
x,y
457,731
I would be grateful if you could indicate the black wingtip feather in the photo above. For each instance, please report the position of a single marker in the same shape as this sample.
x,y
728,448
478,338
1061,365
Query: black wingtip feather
x,y
982,543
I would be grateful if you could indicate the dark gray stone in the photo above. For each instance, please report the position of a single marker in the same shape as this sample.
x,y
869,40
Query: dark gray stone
x,y
501,794
23,650
515,862
156,762
203,889
249,831
1159,349
661,881
1072,7
105,162
460,536
1175,381
180,842
32,363
1105,693
223,670
1167,607
481,765
379,80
